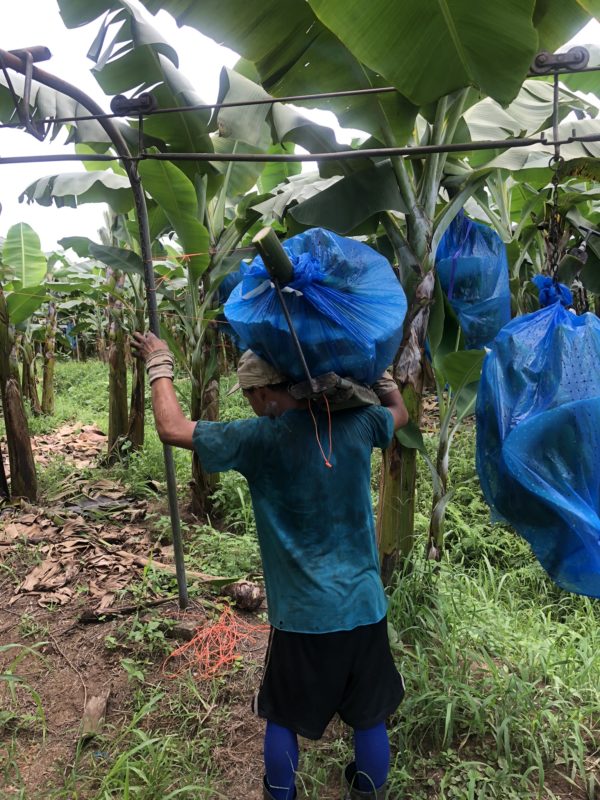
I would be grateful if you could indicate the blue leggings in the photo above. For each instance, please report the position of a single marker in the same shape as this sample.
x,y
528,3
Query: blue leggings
x,y
371,751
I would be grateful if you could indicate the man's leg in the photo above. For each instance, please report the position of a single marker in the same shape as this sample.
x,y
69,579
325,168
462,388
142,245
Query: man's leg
x,y
372,757
281,761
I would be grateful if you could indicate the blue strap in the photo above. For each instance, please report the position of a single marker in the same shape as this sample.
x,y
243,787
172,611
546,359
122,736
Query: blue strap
x,y
455,257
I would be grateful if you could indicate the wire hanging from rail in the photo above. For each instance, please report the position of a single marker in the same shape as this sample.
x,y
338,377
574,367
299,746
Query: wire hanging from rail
x,y
556,164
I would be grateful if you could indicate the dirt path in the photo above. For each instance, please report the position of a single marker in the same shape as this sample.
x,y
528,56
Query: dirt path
x,y
79,553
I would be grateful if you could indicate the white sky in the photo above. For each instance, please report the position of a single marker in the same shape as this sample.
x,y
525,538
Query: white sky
x,y
37,22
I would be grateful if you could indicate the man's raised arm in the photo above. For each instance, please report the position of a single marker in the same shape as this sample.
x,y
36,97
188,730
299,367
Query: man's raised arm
x,y
172,425
389,396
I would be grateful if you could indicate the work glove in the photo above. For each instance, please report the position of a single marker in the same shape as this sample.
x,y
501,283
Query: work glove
x,y
156,355
160,364
384,385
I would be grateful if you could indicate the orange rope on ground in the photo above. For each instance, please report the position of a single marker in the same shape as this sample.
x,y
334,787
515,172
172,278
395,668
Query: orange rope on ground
x,y
215,646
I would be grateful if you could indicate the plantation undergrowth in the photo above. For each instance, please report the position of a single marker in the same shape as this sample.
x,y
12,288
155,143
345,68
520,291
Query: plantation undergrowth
x,y
502,668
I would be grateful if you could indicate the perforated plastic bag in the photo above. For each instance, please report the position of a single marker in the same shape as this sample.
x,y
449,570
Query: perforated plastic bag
x,y
346,304
473,271
550,291
538,440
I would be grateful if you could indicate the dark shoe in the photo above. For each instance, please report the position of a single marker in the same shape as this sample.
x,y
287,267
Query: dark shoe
x,y
356,794
267,794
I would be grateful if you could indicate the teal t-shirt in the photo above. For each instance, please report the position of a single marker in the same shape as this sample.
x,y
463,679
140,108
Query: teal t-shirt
x,y
315,524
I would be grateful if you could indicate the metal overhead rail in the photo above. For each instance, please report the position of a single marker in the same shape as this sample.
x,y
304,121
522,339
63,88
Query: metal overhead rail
x,y
336,155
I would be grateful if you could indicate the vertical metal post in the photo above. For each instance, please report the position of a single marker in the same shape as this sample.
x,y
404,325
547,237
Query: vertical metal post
x,y
20,65
154,324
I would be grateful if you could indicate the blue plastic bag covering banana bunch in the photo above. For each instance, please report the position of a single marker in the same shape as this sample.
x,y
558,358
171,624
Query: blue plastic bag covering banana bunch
x,y
473,270
538,440
345,301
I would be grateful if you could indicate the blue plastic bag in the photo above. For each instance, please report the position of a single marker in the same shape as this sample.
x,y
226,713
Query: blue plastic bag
x,y
538,440
226,287
473,271
345,301
550,291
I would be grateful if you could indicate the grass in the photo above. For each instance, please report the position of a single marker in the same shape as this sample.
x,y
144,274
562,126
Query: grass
x,y
13,687
76,400
143,759
502,668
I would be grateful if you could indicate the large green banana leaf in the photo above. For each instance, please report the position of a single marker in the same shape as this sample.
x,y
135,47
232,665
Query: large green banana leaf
x,y
294,53
71,189
80,12
338,207
117,258
530,111
531,164
297,189
259,125
21,252
428,48
22,302
137,58
275,174
425,48
557,21
242,176
586,81
176,195
45,102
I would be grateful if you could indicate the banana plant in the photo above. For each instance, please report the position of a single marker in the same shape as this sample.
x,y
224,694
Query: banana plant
x,y
119,293
123,269
22,291
209,253
26,345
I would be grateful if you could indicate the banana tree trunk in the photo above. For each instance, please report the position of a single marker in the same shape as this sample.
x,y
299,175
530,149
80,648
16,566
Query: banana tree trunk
x,y
49,361
395,519
439,499
101,348
204,405
20,455
4,490
396,513
118,417
28,381
137,402
135,428
414,256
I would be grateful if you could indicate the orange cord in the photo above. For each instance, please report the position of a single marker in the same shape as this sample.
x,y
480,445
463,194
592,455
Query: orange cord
x,y
325,457
214,646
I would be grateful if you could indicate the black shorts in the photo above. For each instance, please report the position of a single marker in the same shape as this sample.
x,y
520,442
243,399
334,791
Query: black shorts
x,y
309,677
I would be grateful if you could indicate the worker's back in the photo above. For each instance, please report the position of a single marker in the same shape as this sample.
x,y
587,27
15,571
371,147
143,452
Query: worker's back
x,y
315,522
